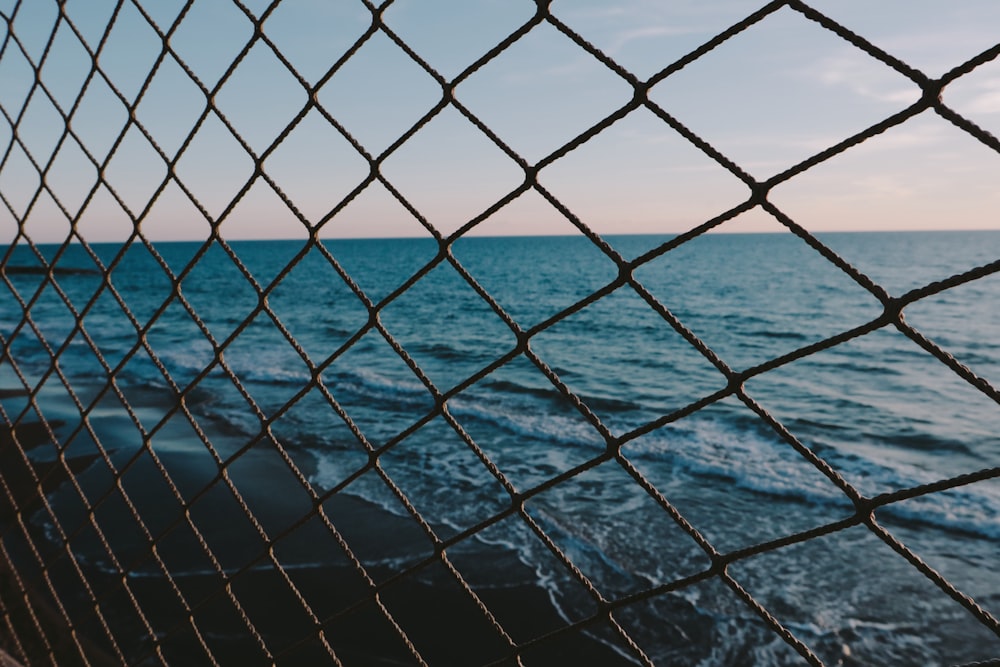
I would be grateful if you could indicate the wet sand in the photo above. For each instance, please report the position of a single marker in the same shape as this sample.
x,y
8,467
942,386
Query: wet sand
x,y
437,616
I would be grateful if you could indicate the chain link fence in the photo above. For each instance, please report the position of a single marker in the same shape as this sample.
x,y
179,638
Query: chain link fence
x,y
163,587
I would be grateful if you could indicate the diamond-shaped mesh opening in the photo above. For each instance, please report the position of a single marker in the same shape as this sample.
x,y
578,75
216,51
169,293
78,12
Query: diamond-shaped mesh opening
x,y
90,18
375,213
106,314
66,68
40,128
723,460
141,282
260,98
319,440
469,173
315,166
436,451
273,604
643,37
858,555
229,532
340,313
55,319
170,107
379,266
318,566
377,113
963,334
381,534
16,82
174,212
262,468
977,96
495,564
766,277
72,176
19,181
34,28
472,31
706,617
214,152
925,163
31,357
370,374
646,180
556,283
128,52
262,214
903,401
528,447
370,621
137,373
45,207
180,344
834,89
211,35
452,339
613,374
240,425
568,92
220,311
221,405
963,557
409,600
923,37
267,366
617,557
99,119
187,460
313,37
136,171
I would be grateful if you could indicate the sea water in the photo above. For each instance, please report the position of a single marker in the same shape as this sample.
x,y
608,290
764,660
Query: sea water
x,y
879,410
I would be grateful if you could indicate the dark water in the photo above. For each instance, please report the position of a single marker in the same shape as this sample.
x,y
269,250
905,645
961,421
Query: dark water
x,y
881,411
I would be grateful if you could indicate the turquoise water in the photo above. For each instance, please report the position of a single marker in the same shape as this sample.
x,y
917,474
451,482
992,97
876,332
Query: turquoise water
x,y
882,412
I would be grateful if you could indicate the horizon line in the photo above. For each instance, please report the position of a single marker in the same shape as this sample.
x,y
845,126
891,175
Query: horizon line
x,y
428,237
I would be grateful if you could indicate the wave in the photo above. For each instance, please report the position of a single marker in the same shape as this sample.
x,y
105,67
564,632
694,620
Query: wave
x,y
548,393
720,447
971,511
724,446
352,385
539,427
712,449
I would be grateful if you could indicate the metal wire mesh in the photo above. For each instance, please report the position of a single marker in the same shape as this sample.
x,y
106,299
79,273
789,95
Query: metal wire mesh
x,y
42,628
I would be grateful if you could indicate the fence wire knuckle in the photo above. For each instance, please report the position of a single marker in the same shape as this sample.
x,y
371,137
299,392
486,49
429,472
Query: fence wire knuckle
x,y
59,607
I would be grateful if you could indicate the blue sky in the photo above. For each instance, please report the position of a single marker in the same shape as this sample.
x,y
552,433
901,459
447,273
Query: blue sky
x,y
767,99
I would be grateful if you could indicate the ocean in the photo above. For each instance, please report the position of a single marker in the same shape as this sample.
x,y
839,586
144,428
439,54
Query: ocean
x,y
546,522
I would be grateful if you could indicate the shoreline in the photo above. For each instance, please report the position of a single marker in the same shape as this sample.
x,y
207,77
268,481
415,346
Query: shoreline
x,y
442,621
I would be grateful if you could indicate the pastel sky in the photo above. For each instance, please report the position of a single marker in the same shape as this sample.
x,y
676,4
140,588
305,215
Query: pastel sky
x,y
767,99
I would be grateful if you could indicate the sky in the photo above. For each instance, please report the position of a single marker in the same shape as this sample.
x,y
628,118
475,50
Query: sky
x,y
767,99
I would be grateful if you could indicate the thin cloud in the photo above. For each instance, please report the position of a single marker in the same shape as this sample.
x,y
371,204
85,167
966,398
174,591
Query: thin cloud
x,y
983,98
627,23
868,78
622,39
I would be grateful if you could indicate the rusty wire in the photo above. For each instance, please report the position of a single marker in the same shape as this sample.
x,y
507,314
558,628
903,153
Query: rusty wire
x,y
37,639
